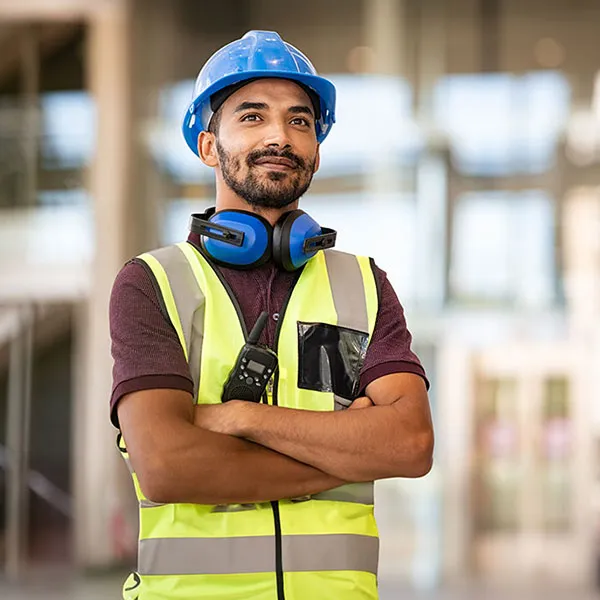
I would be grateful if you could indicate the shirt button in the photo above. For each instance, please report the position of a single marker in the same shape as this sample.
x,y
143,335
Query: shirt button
x,y
275,316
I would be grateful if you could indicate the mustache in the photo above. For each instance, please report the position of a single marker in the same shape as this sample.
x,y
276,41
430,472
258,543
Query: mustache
x,y
258,154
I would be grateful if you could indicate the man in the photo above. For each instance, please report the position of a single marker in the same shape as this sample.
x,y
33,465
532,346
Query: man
x,y
272,499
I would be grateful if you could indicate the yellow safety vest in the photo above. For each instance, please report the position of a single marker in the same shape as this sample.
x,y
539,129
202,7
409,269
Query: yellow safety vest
x,y
322,547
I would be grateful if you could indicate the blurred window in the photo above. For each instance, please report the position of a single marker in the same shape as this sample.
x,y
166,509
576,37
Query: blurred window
x,y
50,143
374,125
500,124
68,130
502,249
61,224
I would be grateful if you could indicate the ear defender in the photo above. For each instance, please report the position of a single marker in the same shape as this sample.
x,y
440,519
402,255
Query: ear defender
x,y
234,238
297,237
245,240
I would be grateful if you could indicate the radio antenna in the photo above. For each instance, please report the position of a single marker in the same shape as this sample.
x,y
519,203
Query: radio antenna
x,y
258,328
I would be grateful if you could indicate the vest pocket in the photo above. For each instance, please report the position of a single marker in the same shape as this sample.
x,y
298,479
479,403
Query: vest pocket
x,y
330,359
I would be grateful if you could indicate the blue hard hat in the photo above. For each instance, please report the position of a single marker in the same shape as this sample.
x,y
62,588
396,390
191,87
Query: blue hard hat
x,y
257,55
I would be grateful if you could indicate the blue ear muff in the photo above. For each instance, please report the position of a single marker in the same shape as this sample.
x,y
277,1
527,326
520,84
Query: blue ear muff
x,y
297,237
234,238
289,234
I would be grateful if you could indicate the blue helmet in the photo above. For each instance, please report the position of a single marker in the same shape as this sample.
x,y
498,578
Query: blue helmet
x,y
257,55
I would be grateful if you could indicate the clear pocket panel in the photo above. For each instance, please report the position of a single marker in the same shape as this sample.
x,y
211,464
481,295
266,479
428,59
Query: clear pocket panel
x,y
330,358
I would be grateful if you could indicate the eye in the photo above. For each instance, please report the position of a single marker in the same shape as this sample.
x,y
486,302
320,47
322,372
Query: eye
x,y
300,121
252,117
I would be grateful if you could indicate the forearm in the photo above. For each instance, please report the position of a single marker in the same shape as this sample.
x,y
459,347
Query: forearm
x,y
347,444
212,468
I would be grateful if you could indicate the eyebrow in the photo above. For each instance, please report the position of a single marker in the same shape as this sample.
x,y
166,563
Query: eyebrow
x,y
251,106
296,110
299,110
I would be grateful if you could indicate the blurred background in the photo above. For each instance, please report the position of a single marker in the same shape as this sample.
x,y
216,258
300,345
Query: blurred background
x,y
465,159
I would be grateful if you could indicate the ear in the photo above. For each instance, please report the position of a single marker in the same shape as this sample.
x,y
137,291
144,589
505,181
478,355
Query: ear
x,y
207,149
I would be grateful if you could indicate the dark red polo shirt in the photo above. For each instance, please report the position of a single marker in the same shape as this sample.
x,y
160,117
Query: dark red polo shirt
x,y
147,353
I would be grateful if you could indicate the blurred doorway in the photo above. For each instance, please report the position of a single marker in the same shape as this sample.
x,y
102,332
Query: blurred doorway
x,y
531,461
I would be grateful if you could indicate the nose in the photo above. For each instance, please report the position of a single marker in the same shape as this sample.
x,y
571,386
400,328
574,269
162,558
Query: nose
x,y
277,136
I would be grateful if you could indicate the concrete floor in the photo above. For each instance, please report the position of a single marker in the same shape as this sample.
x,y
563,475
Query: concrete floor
x,y
55,587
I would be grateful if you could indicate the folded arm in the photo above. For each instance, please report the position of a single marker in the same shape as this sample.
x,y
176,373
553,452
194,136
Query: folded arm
x,y
393,438
177,461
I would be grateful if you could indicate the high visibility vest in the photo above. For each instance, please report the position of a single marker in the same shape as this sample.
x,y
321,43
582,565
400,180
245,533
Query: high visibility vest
x,y
320,547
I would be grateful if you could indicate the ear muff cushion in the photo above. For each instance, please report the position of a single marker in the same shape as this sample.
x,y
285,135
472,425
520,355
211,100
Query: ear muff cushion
x,y
256,247
289,234
281,239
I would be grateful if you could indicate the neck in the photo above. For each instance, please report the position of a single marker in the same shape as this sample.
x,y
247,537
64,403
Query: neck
x,y
227,199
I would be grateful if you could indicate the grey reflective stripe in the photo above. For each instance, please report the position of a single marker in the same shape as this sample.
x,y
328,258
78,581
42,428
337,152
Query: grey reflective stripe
x,y
206,556
189,300
336,552
256,554
348,290
361,493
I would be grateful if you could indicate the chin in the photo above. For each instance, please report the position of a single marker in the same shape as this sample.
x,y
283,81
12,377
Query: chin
x,y
276,175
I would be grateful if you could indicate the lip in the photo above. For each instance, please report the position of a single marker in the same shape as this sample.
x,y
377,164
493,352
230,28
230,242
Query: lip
x,y
276,163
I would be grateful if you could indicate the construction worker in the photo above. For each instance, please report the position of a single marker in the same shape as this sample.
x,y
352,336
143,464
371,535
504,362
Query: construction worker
x,y
254,480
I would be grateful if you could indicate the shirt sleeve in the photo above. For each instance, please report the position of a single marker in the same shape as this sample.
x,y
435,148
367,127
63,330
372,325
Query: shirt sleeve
x,y
390,348
145,348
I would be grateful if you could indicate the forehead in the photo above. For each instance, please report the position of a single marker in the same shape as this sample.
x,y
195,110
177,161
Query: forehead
x,y
271,91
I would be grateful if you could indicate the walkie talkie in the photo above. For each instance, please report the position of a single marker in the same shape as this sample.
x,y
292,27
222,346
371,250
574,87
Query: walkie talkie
x,y
255,365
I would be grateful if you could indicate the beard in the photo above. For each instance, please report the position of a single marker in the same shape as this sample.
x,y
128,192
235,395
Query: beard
x,y
273,189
